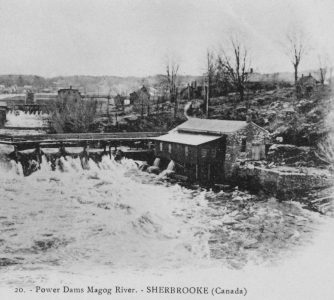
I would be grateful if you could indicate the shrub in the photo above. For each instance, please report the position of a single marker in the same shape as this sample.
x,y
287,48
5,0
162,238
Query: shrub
x,y
72,115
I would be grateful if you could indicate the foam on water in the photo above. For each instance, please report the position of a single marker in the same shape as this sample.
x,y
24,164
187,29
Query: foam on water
x,y
99,215
113,215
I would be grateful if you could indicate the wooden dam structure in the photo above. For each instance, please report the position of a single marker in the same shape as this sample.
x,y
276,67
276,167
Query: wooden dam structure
x,y
135,145
102,140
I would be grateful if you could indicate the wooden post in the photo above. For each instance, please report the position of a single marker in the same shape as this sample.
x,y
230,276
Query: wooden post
x,y
209,171
62,150
207,102
16,154
38,154
108,109
196,171
86,152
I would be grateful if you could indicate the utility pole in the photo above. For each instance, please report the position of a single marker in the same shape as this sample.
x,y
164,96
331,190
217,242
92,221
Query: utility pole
x,y
175,99
108,108
207,102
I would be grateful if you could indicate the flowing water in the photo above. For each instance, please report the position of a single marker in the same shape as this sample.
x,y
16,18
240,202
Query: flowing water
x,y
113,215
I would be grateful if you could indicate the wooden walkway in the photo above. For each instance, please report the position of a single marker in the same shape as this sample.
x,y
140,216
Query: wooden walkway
x,y
24,142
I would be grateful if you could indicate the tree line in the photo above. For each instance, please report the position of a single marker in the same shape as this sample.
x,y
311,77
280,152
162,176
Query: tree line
x,y
229,68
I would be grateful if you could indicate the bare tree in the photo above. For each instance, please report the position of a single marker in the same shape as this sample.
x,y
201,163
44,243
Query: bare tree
x,y
330,74
296,47
72,115
172,68
209,79
235,60
323,67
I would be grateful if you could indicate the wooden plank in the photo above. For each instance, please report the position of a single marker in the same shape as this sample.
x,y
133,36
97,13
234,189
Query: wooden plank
x,y
327,198
82,136
25,128
77,139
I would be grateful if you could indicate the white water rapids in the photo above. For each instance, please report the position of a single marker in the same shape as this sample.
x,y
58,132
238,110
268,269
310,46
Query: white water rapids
x,y
114,216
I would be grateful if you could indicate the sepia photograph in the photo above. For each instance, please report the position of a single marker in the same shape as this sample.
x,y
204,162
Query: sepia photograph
x,y
176,149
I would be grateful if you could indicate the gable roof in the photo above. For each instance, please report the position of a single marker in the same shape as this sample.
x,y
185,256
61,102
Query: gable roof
x,y
186,138
218,127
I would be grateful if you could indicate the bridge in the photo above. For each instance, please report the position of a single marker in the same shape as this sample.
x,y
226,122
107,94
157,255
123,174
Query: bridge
x,y
101,140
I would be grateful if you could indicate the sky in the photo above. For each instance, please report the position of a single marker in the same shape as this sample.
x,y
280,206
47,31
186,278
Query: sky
x,y
134,38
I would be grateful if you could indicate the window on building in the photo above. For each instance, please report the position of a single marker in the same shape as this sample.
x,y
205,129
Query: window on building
x,y
186,151
204,153
160,146
213,153
170,148
243,145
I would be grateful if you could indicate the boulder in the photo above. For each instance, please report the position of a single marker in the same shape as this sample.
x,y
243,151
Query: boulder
x,y
154,170
144,166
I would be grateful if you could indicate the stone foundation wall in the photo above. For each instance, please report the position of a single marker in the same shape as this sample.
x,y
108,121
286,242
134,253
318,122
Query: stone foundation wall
x,y
283,185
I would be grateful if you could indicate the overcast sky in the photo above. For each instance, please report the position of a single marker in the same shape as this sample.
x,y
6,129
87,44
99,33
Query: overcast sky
x,y
111,37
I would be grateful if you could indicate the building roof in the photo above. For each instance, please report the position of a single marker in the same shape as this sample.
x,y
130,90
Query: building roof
x,y
304,80
186,138
208,126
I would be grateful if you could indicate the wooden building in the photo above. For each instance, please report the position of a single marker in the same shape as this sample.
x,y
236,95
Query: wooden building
x,y
3,112
206,150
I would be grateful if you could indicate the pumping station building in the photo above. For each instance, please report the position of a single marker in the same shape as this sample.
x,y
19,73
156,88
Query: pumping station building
x,y
205,150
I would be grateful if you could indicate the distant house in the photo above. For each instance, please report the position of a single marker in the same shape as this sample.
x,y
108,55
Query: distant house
x,y
140,100
119,101
27,87
192,91
69,94
133,97
3,111
206,150
306,85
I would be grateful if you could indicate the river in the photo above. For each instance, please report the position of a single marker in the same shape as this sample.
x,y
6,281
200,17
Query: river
x,y
112,216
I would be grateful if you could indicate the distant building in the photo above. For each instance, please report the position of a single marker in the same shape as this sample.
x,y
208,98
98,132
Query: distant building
x,y
3,111
69,94
119,101
28,87
206,150
30,97
306,85
140,100
192,91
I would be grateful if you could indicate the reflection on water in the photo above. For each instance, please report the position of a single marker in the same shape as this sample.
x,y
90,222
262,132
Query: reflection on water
x,y
113,215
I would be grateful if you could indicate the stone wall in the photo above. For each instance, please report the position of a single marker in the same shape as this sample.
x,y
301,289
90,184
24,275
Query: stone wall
x,y
253,134
283,185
